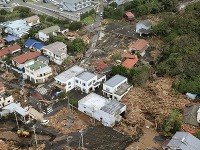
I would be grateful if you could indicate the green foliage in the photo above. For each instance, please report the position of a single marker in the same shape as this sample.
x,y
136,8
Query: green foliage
x,y
86,14
197,134
62,95
113,13
172,123
116,56
73,102
181,55
24,11
3,12
76,46
75,26
137,75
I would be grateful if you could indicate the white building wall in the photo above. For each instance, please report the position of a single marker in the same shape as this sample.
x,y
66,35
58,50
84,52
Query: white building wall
x,y
5,101
43,36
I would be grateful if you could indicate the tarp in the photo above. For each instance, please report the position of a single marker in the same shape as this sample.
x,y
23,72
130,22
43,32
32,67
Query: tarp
x,y
11,38
191,96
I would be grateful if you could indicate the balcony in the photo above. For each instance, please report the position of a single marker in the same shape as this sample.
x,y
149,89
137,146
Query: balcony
x,y
62,87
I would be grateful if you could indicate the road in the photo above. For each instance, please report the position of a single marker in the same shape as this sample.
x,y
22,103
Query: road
x,y
97,27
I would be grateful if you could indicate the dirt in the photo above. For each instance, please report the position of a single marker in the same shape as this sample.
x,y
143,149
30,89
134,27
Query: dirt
x,y
66,121
8,76
155,99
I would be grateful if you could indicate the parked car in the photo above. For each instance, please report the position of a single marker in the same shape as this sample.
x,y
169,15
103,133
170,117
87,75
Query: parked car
x,y
44,122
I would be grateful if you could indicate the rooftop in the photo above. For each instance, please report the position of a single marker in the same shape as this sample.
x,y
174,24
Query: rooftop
x,y
25,57
129,63
55,48
94,101
184,141
115,80
147,23
17,24
37,65
123,89
50,29
112,107
139,44
32,18
129,14
15,107
70,73
86,76
9,49
42,58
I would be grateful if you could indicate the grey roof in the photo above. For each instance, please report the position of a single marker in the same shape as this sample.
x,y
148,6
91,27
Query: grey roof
x,y
15,107
70,73
50,29
55,48
190,115
147,23
184,141
42,58
115,80
71,1
86,75
112,107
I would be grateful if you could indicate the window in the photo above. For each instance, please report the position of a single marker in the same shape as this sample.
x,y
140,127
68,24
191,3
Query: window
x,y
8,101
84,107
83,84
94,81
69,83
107,89
76,81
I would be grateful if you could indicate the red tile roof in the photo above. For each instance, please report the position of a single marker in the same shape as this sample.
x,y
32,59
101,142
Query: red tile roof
x,y
139,44
129,14
129,63
25,57
8,50
124,55
100,64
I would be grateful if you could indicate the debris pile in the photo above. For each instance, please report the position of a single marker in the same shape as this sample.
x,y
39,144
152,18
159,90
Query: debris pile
x,y
153,99
66,121
8,76
7,145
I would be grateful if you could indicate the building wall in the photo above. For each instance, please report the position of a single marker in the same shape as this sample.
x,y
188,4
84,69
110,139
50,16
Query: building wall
x,y
43,36
85,86
5,101
38,78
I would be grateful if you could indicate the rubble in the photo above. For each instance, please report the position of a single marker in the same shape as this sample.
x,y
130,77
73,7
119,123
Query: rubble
x,y
66,122
8,76
153,99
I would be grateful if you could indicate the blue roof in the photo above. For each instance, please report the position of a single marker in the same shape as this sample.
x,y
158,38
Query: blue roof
x,y
38,46
11,38
30,42
34,44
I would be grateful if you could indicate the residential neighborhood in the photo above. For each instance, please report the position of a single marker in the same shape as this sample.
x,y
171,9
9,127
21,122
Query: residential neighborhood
x,y
99,75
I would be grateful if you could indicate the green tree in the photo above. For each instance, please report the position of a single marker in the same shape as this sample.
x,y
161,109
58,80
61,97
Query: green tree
x,y
76,46
119,70
62,95
3,12
172,123
197,134
75,26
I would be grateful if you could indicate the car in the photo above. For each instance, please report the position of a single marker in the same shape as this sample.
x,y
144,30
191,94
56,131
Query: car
x,y
101,14
44,122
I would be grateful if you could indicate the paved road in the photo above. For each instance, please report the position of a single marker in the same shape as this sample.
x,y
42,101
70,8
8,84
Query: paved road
x,y
97,27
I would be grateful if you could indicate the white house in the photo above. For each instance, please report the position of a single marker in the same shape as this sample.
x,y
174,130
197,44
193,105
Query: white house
x,y
143,27
87,81
116,87
44,34
75,5
33,20
56,51
37,72
66,80
17,28
5,99
80,79
108,112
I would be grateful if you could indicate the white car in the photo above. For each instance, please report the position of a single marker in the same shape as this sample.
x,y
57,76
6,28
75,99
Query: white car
x,y
101,14
44,122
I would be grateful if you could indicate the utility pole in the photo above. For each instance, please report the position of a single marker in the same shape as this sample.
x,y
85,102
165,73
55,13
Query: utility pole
x,y
16,119
81,146
35,135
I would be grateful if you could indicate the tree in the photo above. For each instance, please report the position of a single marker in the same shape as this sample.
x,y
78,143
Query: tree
x,y
62,95
75,26
76,46
172,123
197,134
3,12
119,70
